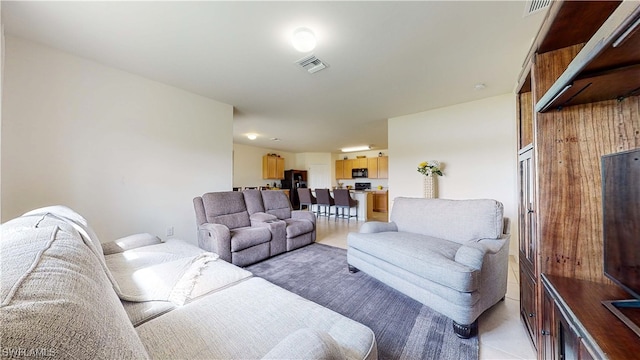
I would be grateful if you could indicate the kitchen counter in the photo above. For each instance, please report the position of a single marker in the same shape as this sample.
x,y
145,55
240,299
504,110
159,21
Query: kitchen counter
x,y
361,197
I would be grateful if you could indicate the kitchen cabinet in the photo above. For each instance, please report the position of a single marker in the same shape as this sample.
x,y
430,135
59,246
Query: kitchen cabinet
x,y
339,169
343,169
383,167
380,201
372,168
272,167
377,167
359,163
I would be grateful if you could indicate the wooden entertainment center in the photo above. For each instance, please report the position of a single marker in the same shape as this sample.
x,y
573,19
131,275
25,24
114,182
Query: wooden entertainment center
x,y
577,99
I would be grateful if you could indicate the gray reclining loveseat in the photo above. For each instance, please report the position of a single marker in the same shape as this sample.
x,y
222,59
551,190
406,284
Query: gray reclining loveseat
x,y
252,225
451,255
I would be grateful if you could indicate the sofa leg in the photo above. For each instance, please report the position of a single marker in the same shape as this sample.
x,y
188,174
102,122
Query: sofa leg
x,y
353,269
465,331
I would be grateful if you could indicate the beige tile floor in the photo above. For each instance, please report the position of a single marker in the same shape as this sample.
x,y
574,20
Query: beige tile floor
x,y
502,334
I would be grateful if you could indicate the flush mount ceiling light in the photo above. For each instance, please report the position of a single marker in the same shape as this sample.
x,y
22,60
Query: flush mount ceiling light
x,y
303,40
356,148
252,136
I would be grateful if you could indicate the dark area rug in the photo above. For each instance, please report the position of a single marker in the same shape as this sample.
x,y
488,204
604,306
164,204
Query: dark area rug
x,y
404,328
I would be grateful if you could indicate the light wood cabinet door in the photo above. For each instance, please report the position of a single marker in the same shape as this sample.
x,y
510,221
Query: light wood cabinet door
x,y
346,170
272,167
339,169
383,167
279,168
372,166
360,163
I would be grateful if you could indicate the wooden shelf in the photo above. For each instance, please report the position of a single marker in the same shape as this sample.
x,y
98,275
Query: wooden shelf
x,y
580,303
597,72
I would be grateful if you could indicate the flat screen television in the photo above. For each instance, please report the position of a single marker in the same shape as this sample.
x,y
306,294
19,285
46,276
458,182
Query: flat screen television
x,y
621,227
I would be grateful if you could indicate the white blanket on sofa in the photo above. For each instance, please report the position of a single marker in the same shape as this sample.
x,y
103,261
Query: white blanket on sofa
x,y
163,272
156,273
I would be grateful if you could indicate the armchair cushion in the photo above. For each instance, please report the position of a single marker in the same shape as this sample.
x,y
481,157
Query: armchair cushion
x,y
482,218
378,226
411,252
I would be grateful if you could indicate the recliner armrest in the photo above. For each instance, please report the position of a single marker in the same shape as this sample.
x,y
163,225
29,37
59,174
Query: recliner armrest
x,y
130,242
304,215
261,217
215,238
377,226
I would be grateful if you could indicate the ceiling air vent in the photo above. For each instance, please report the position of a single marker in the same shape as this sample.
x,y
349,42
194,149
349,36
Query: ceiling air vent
x,y
311,63
533,6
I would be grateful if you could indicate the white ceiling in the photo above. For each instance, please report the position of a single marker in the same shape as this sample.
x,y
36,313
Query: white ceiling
x,y
386,59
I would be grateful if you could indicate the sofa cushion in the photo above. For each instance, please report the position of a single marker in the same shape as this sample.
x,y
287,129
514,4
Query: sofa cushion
x,y
298,227
276,203
62,287
226,208
247,237
246,321
428,257
253,199
307,344
441,218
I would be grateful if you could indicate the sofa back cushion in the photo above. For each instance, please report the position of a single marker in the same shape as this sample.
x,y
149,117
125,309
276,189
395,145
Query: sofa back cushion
x,y
226,208
253,199
454,220
56,297
276,202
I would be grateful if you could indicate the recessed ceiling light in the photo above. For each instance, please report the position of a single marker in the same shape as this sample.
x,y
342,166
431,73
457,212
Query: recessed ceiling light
x,y
479,86
356,148
303,40
252,136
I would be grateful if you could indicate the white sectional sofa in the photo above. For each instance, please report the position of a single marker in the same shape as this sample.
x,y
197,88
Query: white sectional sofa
x,y
451,255
65,295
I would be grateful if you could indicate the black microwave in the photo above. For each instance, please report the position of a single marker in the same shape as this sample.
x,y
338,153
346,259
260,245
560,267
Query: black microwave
x,y
359,173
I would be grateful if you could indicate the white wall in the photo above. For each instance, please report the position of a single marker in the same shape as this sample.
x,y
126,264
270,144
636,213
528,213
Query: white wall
x,y
128,153
247,165
475,142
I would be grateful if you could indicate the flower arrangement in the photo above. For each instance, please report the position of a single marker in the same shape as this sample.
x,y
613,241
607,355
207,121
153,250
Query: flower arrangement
x,y
429,168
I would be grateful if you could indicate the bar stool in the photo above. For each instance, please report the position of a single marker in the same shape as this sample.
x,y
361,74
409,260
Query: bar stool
x,y
344,201
325,201
306,198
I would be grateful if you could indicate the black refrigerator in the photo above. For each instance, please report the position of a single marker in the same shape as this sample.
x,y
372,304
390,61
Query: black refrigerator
x,y
294,179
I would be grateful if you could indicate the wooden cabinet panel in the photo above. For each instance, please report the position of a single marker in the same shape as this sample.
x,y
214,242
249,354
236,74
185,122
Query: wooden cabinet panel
x,y
548,334
581,327
346,169
360,163
272,167
380,201
528,312
372,166
383,167
525,112
339,169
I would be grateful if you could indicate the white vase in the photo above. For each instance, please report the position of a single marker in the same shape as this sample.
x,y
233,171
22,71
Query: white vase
x,y
429,187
